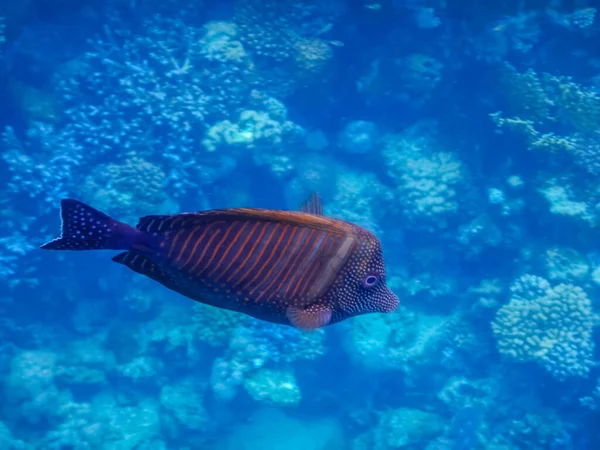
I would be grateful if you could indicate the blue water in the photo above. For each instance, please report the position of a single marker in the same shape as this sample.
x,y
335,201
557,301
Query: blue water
x,y
466,135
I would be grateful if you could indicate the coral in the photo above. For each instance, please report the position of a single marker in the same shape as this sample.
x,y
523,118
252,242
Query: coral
x,y
576,106
404,427
226,377
586,153
565,265
286,344
30,392
312,60
13,247
551,113
128,190
215,326
402,340
79,429
563,202
43,165
141,371
83,365
243,356
359,136
182,404
579,19
140,300
150,89
286,34
357,199
427,181
525,94
530,287
273,387
553,330
254,345
420,74
267,137
131,427
8,441
171,336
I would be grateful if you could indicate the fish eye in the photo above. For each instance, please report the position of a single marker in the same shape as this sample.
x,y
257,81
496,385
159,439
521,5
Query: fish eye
x,y
370,281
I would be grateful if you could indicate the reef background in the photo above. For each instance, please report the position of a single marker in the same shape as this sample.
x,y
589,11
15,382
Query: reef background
x,y
466,134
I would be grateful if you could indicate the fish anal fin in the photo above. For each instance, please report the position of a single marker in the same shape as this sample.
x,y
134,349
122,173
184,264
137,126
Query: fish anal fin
x,y
147,267
312,205
309,318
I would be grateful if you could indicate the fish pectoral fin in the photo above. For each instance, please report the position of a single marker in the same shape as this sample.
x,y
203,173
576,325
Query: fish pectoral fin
x,y
312,205
309,318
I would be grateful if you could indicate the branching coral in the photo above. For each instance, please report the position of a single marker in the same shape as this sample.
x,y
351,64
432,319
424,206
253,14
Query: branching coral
x,y
553,330
286,34
552,113
148,91
43,166
525,94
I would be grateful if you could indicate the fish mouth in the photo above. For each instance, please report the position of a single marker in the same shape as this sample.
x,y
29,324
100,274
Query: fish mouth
x,y
392,303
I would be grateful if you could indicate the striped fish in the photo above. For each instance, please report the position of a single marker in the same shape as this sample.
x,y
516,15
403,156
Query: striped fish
x,y
295,268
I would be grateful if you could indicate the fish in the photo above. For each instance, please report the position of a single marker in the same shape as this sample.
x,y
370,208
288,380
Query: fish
x,y
296,268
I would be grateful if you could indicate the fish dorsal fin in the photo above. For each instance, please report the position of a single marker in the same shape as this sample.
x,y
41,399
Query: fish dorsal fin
x,y
191,220
170,222
312,205
309,318
145,266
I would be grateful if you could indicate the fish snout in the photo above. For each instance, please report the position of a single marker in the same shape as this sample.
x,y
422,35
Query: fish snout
x,y
391,301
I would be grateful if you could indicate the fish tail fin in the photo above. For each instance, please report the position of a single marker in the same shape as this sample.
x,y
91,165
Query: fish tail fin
x,y
86,228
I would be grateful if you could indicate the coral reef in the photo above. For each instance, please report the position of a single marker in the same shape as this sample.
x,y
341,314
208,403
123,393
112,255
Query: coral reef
x,y
553,329
464,134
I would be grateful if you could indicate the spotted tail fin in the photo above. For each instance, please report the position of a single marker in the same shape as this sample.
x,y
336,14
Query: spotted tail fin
x,y
86,228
